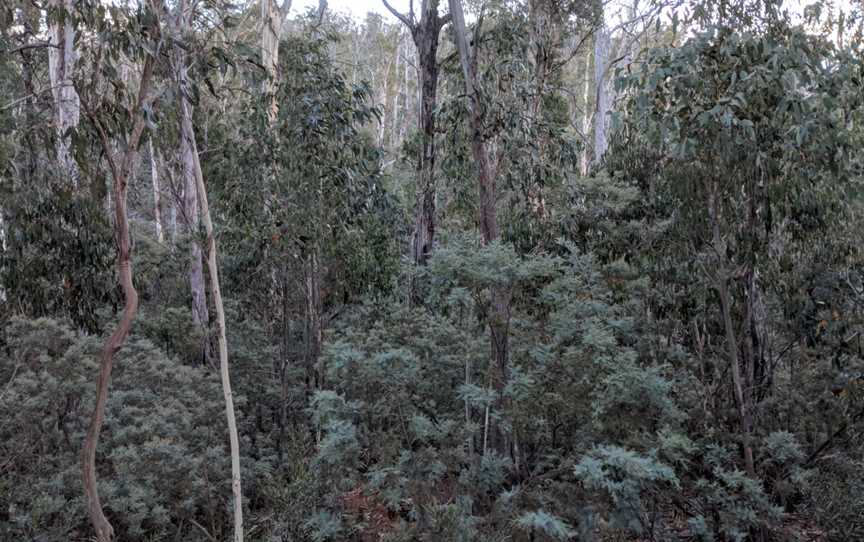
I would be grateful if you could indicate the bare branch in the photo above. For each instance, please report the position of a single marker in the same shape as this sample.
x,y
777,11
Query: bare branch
x,y
284,9
405,20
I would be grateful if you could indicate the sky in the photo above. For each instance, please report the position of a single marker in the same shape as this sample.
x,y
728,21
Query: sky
x,y
357,8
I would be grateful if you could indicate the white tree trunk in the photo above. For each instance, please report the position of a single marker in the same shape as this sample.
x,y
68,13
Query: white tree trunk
x,y
273,17
233,438
61,65
194,184
601,110
157,195
188,159
200,314
586,117
385,94
400,88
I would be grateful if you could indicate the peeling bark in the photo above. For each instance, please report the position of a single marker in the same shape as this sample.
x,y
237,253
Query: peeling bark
x,y
188,159
273,18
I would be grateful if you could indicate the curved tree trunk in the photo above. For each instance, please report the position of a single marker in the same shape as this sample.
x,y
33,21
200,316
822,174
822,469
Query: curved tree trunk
x,y
120,173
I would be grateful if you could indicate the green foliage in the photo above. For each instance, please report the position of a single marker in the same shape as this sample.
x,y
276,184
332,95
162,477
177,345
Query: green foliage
x,y
632,482
736,163
541,522
163,441
58,254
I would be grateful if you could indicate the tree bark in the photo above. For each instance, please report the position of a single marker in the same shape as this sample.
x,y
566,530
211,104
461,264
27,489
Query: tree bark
x,y
721,284
314,328
273,17
157,195
385,96
400,90
121,172
586,118
188,159
215,290
601,87
499,317
425,34
61,64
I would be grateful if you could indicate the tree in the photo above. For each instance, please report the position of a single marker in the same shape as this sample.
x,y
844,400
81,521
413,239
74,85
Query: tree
x,y
62,57
425,34
738,146
499,314
182,21
195,189
273,20
121,167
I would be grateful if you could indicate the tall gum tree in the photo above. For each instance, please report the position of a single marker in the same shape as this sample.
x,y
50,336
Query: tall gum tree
x,y
499,317
273,19
191,213
62,57
425,34
195,183
121,165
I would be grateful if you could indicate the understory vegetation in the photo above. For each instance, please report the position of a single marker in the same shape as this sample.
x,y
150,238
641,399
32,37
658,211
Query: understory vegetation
x,y
542,271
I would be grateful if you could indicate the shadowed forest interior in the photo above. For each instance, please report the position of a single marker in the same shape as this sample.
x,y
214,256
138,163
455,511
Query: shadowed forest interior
x,y
468,271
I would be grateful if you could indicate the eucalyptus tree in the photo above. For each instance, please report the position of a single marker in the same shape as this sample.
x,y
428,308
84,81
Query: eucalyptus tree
x,y
196,191
182,30
111,118
486,171
750,125
425,33
274,17
62,57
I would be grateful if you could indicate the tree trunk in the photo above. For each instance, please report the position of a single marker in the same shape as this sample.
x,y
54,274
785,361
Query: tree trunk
x,y
200,313
314,329
499,317
400,88
61,64
215,290
425,34
120,172
188,159
192,171
157,195
601,110
273,18
722,286
385,95
403,125
586,118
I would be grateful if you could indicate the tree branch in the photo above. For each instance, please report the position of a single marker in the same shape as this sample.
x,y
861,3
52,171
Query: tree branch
x,y
283,11
405,20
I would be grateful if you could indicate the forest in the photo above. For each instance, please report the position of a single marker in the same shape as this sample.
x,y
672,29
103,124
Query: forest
x,y
458,271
